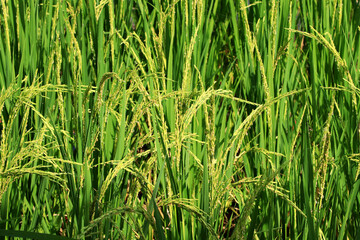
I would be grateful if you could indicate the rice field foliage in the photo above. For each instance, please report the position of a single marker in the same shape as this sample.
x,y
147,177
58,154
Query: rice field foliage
x,y
179,119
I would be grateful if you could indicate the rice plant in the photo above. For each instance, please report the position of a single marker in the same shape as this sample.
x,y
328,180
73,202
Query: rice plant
x,y
124,119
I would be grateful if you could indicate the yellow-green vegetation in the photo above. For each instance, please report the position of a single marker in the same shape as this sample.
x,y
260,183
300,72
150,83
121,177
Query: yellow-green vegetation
x,y
124,119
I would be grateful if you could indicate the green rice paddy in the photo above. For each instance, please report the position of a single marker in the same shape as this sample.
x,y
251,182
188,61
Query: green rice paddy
x,y
203,119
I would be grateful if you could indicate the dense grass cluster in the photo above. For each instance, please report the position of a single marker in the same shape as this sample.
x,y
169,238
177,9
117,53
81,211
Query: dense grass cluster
x,y
180,119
